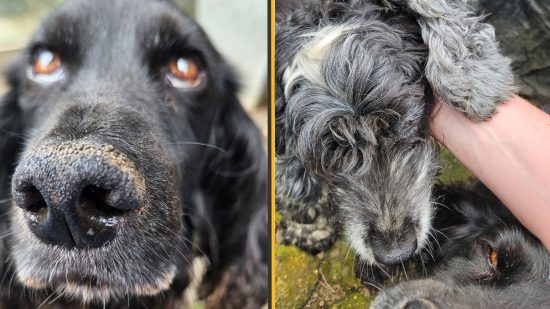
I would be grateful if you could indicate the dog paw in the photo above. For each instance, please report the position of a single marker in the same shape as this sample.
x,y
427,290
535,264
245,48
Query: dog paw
x,y
312,237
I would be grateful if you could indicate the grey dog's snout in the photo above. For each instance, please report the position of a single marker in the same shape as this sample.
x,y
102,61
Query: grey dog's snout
x,y
76,195
390,248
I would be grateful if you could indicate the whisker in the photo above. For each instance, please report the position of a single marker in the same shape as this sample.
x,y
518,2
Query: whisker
x,y
6,235
5,200
349,249
405,271
423,266
374,286
58,297
200,144
14,134
385,273
47,299
9,285
443,234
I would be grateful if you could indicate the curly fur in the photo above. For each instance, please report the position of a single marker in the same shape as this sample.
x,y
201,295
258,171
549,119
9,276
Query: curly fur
x,y
463,53
354,90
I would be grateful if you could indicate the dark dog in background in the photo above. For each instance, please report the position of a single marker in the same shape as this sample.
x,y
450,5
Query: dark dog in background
x,y
354,89
482,258
125,156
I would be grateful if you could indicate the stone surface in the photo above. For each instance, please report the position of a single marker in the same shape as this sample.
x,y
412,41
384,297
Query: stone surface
x,y
523,30
297,276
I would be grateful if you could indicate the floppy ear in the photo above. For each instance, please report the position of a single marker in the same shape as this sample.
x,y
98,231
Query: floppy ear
x,y
292,180
11,139
245,284
464,67
10,145
235,184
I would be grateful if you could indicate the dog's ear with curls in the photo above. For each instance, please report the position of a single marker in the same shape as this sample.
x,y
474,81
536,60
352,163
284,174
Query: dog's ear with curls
x,y
293,181
234,183
465,66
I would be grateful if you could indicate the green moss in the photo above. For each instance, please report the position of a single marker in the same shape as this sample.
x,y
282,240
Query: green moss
x,y
452,170
277,217
353,300
197,306
337,266
296,276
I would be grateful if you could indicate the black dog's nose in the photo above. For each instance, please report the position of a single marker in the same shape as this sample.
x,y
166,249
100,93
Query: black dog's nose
x,y
76,194
393,247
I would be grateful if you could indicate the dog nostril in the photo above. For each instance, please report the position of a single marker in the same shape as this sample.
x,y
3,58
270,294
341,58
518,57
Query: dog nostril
x,y
78,197
32,199
100,200
98,213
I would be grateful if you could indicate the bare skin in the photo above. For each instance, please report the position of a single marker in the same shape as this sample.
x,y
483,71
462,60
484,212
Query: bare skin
x,y
508,153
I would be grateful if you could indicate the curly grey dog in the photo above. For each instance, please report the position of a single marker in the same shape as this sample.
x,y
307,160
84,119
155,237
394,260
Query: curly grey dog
x,y
483,258
354,92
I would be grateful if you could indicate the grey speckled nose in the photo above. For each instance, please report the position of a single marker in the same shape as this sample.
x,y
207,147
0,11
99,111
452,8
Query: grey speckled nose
x,y
76,194
391,248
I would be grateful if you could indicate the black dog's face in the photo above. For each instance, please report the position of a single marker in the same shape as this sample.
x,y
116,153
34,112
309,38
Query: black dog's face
x,y
498,258
113,96
353,104
502,268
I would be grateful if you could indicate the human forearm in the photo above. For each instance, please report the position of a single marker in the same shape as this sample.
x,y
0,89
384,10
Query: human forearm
x,y
510,154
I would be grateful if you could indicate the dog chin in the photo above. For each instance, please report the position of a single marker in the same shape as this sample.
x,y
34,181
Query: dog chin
x,y
97,293
75,276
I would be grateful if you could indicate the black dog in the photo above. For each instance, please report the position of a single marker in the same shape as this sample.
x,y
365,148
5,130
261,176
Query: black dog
x,y
482,258
125,156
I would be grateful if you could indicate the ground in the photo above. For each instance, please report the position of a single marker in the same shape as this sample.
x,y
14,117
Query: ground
x,y
328,280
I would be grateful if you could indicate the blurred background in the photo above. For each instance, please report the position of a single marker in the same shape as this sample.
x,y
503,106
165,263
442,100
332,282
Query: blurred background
x,y
237,28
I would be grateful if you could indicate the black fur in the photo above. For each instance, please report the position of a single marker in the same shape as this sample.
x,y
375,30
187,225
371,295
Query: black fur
x,y
482,257
200,155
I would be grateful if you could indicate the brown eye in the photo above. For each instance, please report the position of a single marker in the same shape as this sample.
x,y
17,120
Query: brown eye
x,y
184,73
46,62
46,67
493,259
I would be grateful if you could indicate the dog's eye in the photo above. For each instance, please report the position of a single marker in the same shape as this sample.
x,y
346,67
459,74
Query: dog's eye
x,y
47,67
491,255
493,259
184,73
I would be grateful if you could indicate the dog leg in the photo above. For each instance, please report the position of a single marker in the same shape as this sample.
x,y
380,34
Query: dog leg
x,y
311,227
